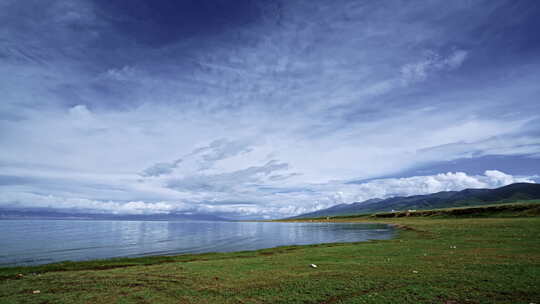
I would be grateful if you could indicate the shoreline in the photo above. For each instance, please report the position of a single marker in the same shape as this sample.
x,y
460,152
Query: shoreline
x,y
146,256
430,260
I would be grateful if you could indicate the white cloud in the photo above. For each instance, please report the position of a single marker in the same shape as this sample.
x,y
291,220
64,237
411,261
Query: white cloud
x,y
235,195
451,181
329,92
126,73
456,59
32,200
433,62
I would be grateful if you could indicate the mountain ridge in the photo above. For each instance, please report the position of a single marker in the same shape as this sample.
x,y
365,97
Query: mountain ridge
x,y
442,199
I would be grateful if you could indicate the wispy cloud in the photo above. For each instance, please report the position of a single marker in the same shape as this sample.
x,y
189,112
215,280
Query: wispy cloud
x,y
262,105
161,168
432,63
230,181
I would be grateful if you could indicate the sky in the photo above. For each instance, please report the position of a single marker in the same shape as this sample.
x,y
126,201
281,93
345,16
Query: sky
x,y
262,109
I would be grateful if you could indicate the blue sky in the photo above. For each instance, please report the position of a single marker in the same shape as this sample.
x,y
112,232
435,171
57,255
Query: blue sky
x,y
262,108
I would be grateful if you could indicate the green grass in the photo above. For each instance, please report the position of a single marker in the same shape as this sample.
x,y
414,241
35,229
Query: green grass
x,y
519,209
496,210
432,260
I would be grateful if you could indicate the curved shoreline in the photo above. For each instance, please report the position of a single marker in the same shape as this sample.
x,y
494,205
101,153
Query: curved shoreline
x,y
478,260
178,248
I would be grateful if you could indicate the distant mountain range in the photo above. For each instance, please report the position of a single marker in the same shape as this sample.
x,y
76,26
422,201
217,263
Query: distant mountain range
x,y
445,199
35,213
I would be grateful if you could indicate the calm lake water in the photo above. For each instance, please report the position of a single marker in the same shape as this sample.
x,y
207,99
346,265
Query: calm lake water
x,y
26,242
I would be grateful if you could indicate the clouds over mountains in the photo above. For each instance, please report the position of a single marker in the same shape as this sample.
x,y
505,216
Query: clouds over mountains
x,y
261,107
245,193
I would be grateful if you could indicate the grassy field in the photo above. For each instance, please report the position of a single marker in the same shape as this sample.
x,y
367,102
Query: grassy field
x,y
514,209
432,260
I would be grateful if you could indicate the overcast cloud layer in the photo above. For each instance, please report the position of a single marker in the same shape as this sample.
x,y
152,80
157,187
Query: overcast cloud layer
x,y
262,108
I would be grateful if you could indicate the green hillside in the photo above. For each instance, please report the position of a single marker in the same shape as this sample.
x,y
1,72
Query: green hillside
x,y
446,199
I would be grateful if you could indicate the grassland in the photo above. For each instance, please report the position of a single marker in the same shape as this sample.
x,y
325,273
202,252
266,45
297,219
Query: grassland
x,y
519,209
490,258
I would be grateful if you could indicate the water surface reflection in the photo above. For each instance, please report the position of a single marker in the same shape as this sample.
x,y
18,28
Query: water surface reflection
x,y
46,241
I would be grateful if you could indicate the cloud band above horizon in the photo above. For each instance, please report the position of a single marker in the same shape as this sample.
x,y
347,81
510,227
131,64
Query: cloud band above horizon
x,y
258,203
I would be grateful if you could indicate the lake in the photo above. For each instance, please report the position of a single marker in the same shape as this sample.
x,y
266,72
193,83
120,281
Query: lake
x,y
31,242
